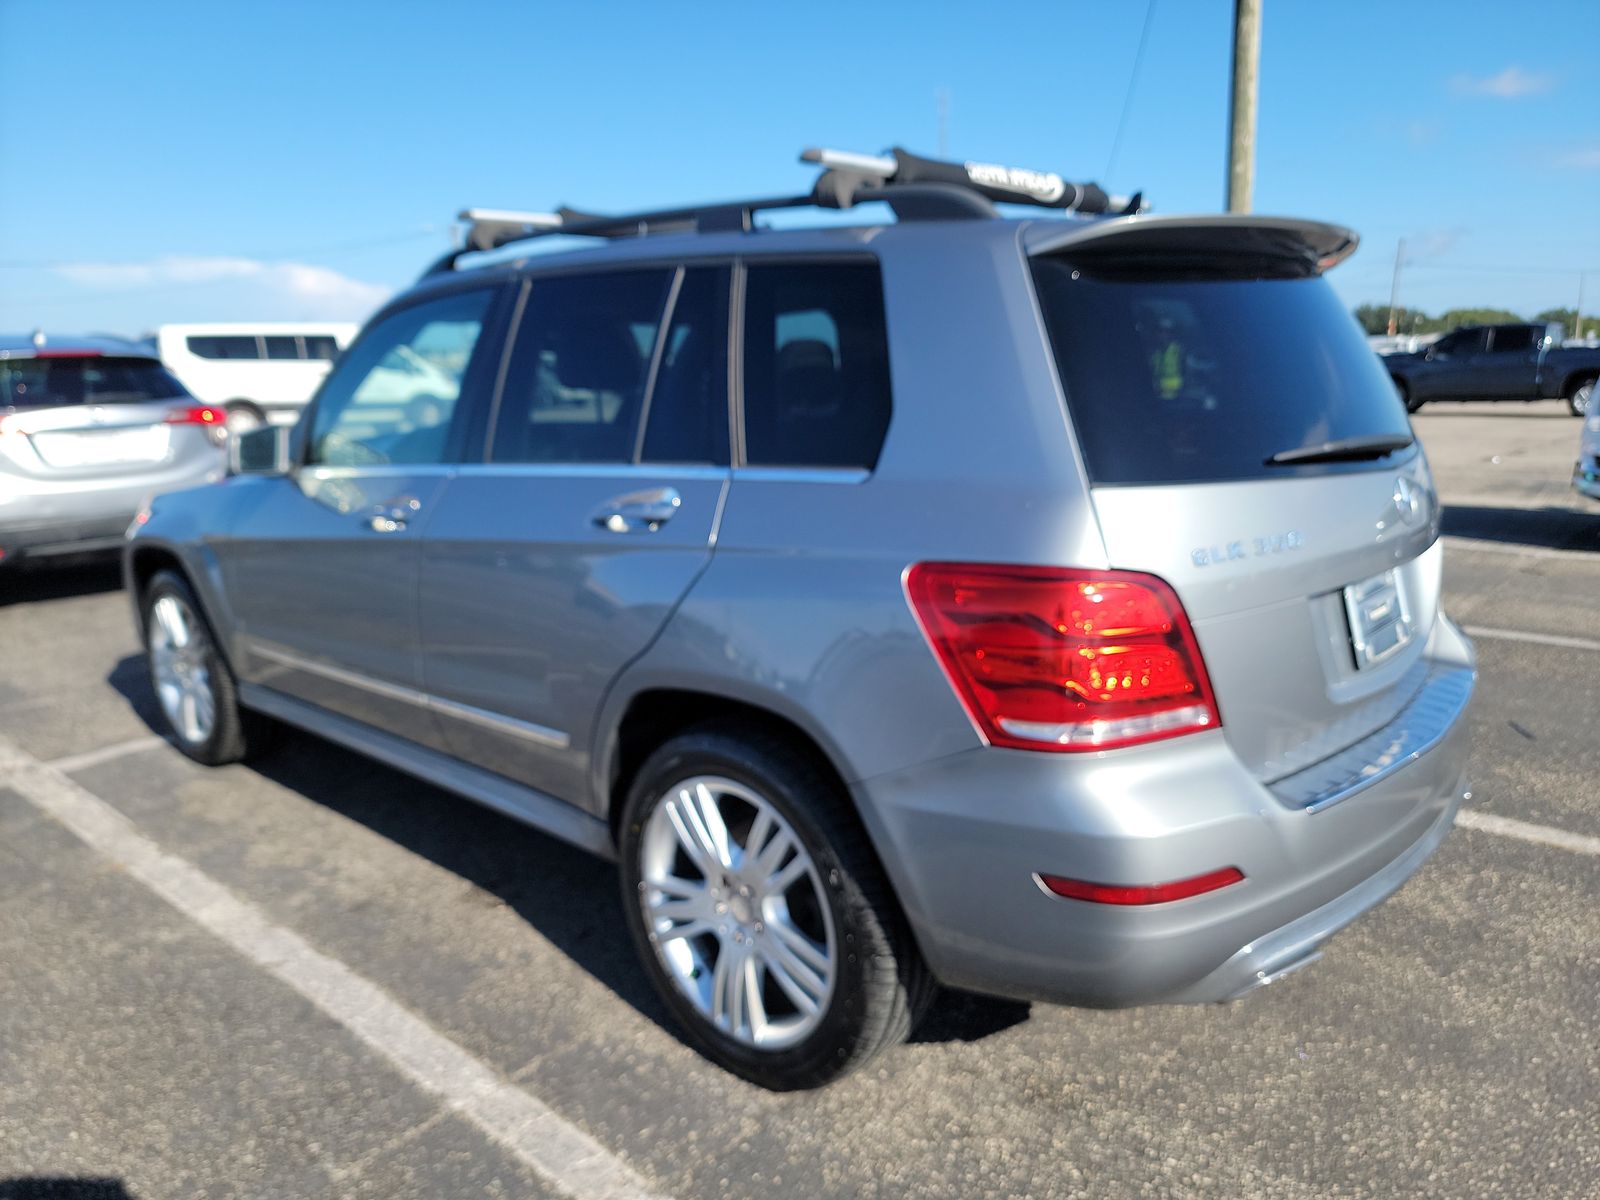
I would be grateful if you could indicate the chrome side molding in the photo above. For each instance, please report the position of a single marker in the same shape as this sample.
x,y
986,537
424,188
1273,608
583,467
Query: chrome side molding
x,y
494,722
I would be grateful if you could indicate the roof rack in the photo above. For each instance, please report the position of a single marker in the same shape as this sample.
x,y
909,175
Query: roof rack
x,y
915,188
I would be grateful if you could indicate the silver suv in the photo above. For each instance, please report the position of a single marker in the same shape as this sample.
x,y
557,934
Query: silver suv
x,y
90,428
1046,606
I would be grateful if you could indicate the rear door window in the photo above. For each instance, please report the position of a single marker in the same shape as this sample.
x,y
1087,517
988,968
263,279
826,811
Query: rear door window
x,y
816,365
1203,380
280,346
575,389
1513,339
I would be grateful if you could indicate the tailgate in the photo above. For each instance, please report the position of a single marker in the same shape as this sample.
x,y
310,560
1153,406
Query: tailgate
x,y
1242,442
1311,599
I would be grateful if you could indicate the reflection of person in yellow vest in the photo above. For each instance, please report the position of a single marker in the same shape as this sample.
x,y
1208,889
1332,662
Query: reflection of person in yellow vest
x,y
1166,367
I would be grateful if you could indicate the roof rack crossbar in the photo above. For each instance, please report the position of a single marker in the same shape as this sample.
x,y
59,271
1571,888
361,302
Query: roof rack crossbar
x,y
917,189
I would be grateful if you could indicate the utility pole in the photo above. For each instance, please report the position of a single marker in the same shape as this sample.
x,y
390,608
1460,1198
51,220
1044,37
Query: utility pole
x,y
1242,109
1577,316
1394,288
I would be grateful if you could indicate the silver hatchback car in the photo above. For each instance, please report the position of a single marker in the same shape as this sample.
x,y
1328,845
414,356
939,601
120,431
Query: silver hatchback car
x,y
90,428
1046,606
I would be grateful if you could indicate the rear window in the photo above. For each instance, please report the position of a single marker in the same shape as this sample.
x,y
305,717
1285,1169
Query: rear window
x,y
55,382
1203,380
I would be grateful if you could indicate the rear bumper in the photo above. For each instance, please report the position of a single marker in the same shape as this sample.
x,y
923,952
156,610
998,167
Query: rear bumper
x,y
40,518
963,836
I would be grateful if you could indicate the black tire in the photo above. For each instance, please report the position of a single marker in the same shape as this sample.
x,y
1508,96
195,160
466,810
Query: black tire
x,y
242,417
1405,396
235,733
1580,397
882,986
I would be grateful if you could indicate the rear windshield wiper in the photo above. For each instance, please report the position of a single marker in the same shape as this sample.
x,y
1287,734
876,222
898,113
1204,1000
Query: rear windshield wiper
x,y
1350,449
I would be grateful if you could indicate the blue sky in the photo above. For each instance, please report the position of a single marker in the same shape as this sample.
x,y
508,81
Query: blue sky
x,y
173,161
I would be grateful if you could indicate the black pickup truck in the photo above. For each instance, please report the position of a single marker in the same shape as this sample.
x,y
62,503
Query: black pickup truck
x,y
1498,362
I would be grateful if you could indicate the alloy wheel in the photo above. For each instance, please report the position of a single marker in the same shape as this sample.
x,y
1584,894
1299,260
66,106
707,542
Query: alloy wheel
x,y
735,911
179,665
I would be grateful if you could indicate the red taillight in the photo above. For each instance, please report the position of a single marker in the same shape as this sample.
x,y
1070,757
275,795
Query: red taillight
x,y
196,416
1048,658
1153,893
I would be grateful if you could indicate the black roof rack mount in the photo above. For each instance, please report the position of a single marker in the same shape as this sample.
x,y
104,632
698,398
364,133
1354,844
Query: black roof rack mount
x,y
916,188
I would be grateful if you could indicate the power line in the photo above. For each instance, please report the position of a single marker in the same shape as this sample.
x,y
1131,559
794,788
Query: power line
x,y
392,239
1133,79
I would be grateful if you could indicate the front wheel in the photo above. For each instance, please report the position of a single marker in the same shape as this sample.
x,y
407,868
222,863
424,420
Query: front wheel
x,y
761,915
1581,398
1405,395
194,685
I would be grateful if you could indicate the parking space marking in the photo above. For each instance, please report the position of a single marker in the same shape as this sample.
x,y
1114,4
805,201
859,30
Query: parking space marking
x,y
555,1149
1524,831
1538,639
93,758
1488,547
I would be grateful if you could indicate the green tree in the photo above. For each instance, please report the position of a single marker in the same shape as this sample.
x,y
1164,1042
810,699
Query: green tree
x,y
1476,316
1569,320
1374,319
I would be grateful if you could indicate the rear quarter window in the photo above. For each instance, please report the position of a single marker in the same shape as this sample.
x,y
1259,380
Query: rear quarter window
x,y
816,365
1203,380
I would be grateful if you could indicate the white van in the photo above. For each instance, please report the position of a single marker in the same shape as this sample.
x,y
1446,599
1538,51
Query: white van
x,y
258,373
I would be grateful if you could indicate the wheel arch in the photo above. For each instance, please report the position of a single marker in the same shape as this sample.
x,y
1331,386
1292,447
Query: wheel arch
x,y
652,714
1577,378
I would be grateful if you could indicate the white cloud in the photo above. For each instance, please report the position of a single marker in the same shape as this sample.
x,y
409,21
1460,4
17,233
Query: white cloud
x,y
1509,84
299,291
1585,158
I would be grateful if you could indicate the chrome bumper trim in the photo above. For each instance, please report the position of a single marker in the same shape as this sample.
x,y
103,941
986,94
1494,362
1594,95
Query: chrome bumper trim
x,y
1420,726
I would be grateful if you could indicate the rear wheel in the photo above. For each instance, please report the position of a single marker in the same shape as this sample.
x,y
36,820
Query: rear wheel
x,y
194,686
1580,397
760,913
243,417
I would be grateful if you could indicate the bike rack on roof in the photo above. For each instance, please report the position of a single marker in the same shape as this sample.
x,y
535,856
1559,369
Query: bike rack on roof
x,y
915,188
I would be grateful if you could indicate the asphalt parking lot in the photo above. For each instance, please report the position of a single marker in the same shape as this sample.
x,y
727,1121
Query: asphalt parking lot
x,y
316,977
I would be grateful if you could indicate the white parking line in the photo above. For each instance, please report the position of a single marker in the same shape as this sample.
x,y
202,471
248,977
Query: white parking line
x,y
558,1151
1492,547
1538,639
93,758
1523,831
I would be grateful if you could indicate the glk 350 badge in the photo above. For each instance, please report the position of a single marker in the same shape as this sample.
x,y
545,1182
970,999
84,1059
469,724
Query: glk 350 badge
x,y
1257,547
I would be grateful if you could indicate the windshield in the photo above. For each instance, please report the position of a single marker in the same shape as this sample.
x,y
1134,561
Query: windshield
x,y
1205,380
55,382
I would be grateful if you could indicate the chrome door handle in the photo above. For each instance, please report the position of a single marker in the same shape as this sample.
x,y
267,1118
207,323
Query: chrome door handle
x,y
639,512
393,515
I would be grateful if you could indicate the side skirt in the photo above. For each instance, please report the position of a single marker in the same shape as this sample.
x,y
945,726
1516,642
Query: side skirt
x,y
535,808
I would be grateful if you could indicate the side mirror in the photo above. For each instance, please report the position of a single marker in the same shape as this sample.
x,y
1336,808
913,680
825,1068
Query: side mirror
x,y
263,451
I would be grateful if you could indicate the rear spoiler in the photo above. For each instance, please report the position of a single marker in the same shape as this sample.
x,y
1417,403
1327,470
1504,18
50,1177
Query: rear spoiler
x,y
1311,246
